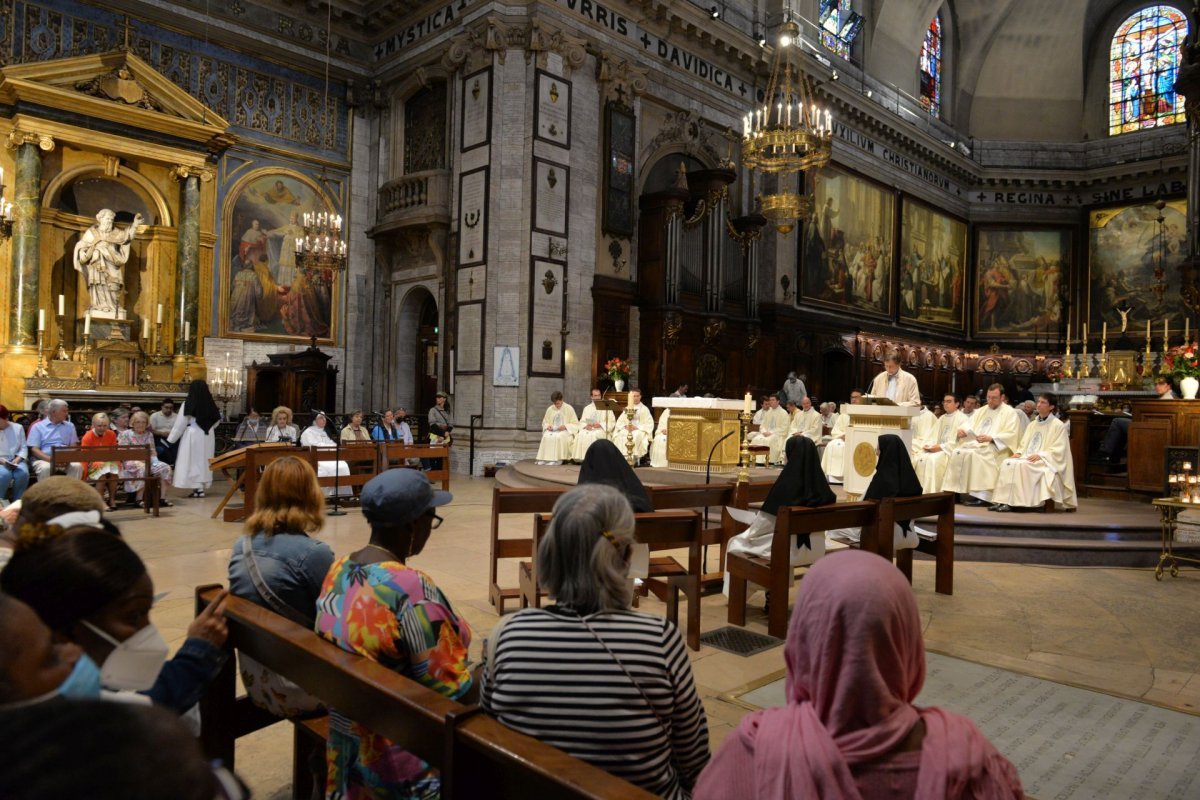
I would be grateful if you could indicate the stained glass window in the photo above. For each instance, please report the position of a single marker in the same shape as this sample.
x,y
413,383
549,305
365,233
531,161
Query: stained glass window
x,y
931,68
1143,64
839,26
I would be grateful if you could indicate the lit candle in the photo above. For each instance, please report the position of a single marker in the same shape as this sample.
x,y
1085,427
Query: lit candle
x,y
187,330
1068,333
146,328
629,400
1104,332
41,320
1085,333
1166,331
1187,465
299,246
828,121
61,306
159,319
747,402
87,323
1147,330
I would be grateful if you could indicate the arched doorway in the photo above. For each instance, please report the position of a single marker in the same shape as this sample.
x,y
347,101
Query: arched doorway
x,y
414,378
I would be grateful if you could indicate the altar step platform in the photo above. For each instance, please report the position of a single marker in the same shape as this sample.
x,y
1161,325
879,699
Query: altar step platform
x,y
1103,532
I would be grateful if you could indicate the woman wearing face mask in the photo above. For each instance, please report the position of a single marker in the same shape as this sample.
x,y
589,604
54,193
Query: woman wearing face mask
x,y
91,589
34,667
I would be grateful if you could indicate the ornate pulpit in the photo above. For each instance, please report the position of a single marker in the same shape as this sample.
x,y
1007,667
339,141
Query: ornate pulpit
x,y
301,381
867,424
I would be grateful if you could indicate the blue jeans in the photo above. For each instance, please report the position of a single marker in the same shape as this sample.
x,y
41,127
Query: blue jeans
x,y
17,477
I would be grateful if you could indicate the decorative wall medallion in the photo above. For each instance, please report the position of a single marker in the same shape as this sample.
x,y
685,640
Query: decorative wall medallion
x,y
554,93
471,218
864,459
551,179
616,251
557,248
752,337
710,373
475,89
713,328
549,282
672,325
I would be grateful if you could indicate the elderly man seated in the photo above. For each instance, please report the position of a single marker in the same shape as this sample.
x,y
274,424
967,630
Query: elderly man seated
x,y
1041,468
56,430
807,421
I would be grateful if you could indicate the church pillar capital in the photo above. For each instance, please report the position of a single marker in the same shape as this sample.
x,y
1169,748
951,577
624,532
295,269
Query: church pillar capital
x,y
621,81
17,137
181,172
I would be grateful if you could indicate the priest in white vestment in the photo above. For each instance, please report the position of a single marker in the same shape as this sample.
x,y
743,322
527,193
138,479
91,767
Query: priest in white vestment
x,y
924,429
316,435
806,422
1041,469
658,448
833,459
773,424
930,463
895,384
975,463
642,427
558,431
594,424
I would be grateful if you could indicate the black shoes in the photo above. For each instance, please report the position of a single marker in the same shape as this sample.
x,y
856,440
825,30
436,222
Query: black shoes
x,y
1001,507
974,501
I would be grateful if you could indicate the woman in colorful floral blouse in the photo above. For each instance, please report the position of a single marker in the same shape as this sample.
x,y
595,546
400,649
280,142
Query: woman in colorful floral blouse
x,y
374,604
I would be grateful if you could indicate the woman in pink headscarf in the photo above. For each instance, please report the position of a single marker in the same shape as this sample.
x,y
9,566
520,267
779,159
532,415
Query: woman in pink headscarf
x,y
855,661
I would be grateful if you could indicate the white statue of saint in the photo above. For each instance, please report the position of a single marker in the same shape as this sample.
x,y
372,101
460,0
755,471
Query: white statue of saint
x,y
100,257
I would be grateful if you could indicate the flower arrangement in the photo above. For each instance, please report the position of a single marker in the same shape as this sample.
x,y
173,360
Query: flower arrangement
x,y
1182,361
1054,374
617,369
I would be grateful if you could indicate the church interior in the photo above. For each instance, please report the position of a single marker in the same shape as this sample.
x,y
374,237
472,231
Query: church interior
x,y
978,218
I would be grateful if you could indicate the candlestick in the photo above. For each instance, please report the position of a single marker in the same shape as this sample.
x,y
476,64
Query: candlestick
x,y
60,353
1085,332
41,320
158,340
743,475
1085,369
158,319
61,306
187,331
145,327
629,434
87,323
41,372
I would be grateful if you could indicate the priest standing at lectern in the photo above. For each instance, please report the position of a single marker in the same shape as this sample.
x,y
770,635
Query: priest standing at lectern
x,y
594,425
1041,470
975,463
558,431
896,384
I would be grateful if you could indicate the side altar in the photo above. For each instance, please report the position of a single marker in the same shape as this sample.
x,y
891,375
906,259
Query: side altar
x,y
696,424
867,424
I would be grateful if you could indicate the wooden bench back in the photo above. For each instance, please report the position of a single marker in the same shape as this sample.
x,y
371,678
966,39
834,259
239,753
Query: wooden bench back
x,y
471,750
795,520
394,454
61,456
507,500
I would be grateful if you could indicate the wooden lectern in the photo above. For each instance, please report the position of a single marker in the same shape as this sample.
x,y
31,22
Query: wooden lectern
x,y
867,424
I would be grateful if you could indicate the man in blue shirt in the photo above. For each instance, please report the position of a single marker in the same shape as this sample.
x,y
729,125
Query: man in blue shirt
x,y
54,431
14,458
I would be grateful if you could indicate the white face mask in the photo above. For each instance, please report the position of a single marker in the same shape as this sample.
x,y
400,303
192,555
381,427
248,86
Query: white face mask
x,y
133,664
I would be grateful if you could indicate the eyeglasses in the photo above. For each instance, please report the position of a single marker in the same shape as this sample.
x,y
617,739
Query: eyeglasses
x,y
437,521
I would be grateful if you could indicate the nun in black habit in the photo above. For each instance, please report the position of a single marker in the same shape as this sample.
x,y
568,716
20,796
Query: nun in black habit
x,y
604,464
894,477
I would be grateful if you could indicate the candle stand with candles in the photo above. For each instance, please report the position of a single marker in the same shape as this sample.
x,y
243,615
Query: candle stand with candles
x,y
629,457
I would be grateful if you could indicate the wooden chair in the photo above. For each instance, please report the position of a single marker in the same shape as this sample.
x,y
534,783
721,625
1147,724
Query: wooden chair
x,y
775,573
477,756
507,500
905,509
62,456
660,530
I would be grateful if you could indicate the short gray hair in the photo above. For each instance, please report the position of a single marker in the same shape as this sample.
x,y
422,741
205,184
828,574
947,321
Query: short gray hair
x,y
55,405
577,563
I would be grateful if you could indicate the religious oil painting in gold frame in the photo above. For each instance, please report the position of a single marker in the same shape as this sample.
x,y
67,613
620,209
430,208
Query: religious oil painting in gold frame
x,y
846,247
1021,280
933,266
1133,261
265,294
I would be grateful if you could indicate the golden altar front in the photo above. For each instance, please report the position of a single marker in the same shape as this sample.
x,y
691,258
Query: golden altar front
x,y
695,426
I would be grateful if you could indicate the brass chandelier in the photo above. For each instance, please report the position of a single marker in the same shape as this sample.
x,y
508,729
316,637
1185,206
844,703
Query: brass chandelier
x,y
788,134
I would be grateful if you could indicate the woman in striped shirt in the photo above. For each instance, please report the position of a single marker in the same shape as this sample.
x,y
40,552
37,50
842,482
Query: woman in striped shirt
x,y
588,675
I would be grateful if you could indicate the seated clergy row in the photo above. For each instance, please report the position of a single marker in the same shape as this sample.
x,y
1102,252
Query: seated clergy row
x,y
566,437
998,456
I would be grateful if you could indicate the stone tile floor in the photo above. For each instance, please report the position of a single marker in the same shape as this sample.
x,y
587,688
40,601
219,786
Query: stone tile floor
x,y
1114,630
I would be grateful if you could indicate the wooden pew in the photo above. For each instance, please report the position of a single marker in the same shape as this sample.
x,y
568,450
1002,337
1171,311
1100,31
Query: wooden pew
x,y
775,573
940,505
661,530
477,756
506,500
396,454
62,456
365,455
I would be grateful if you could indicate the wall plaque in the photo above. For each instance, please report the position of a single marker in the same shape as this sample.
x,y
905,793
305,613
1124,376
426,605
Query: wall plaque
x,y
552,114
476,109
472,217
550,194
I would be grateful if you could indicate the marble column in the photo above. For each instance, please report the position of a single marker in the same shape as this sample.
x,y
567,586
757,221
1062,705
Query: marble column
x,y
24,278
187,261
